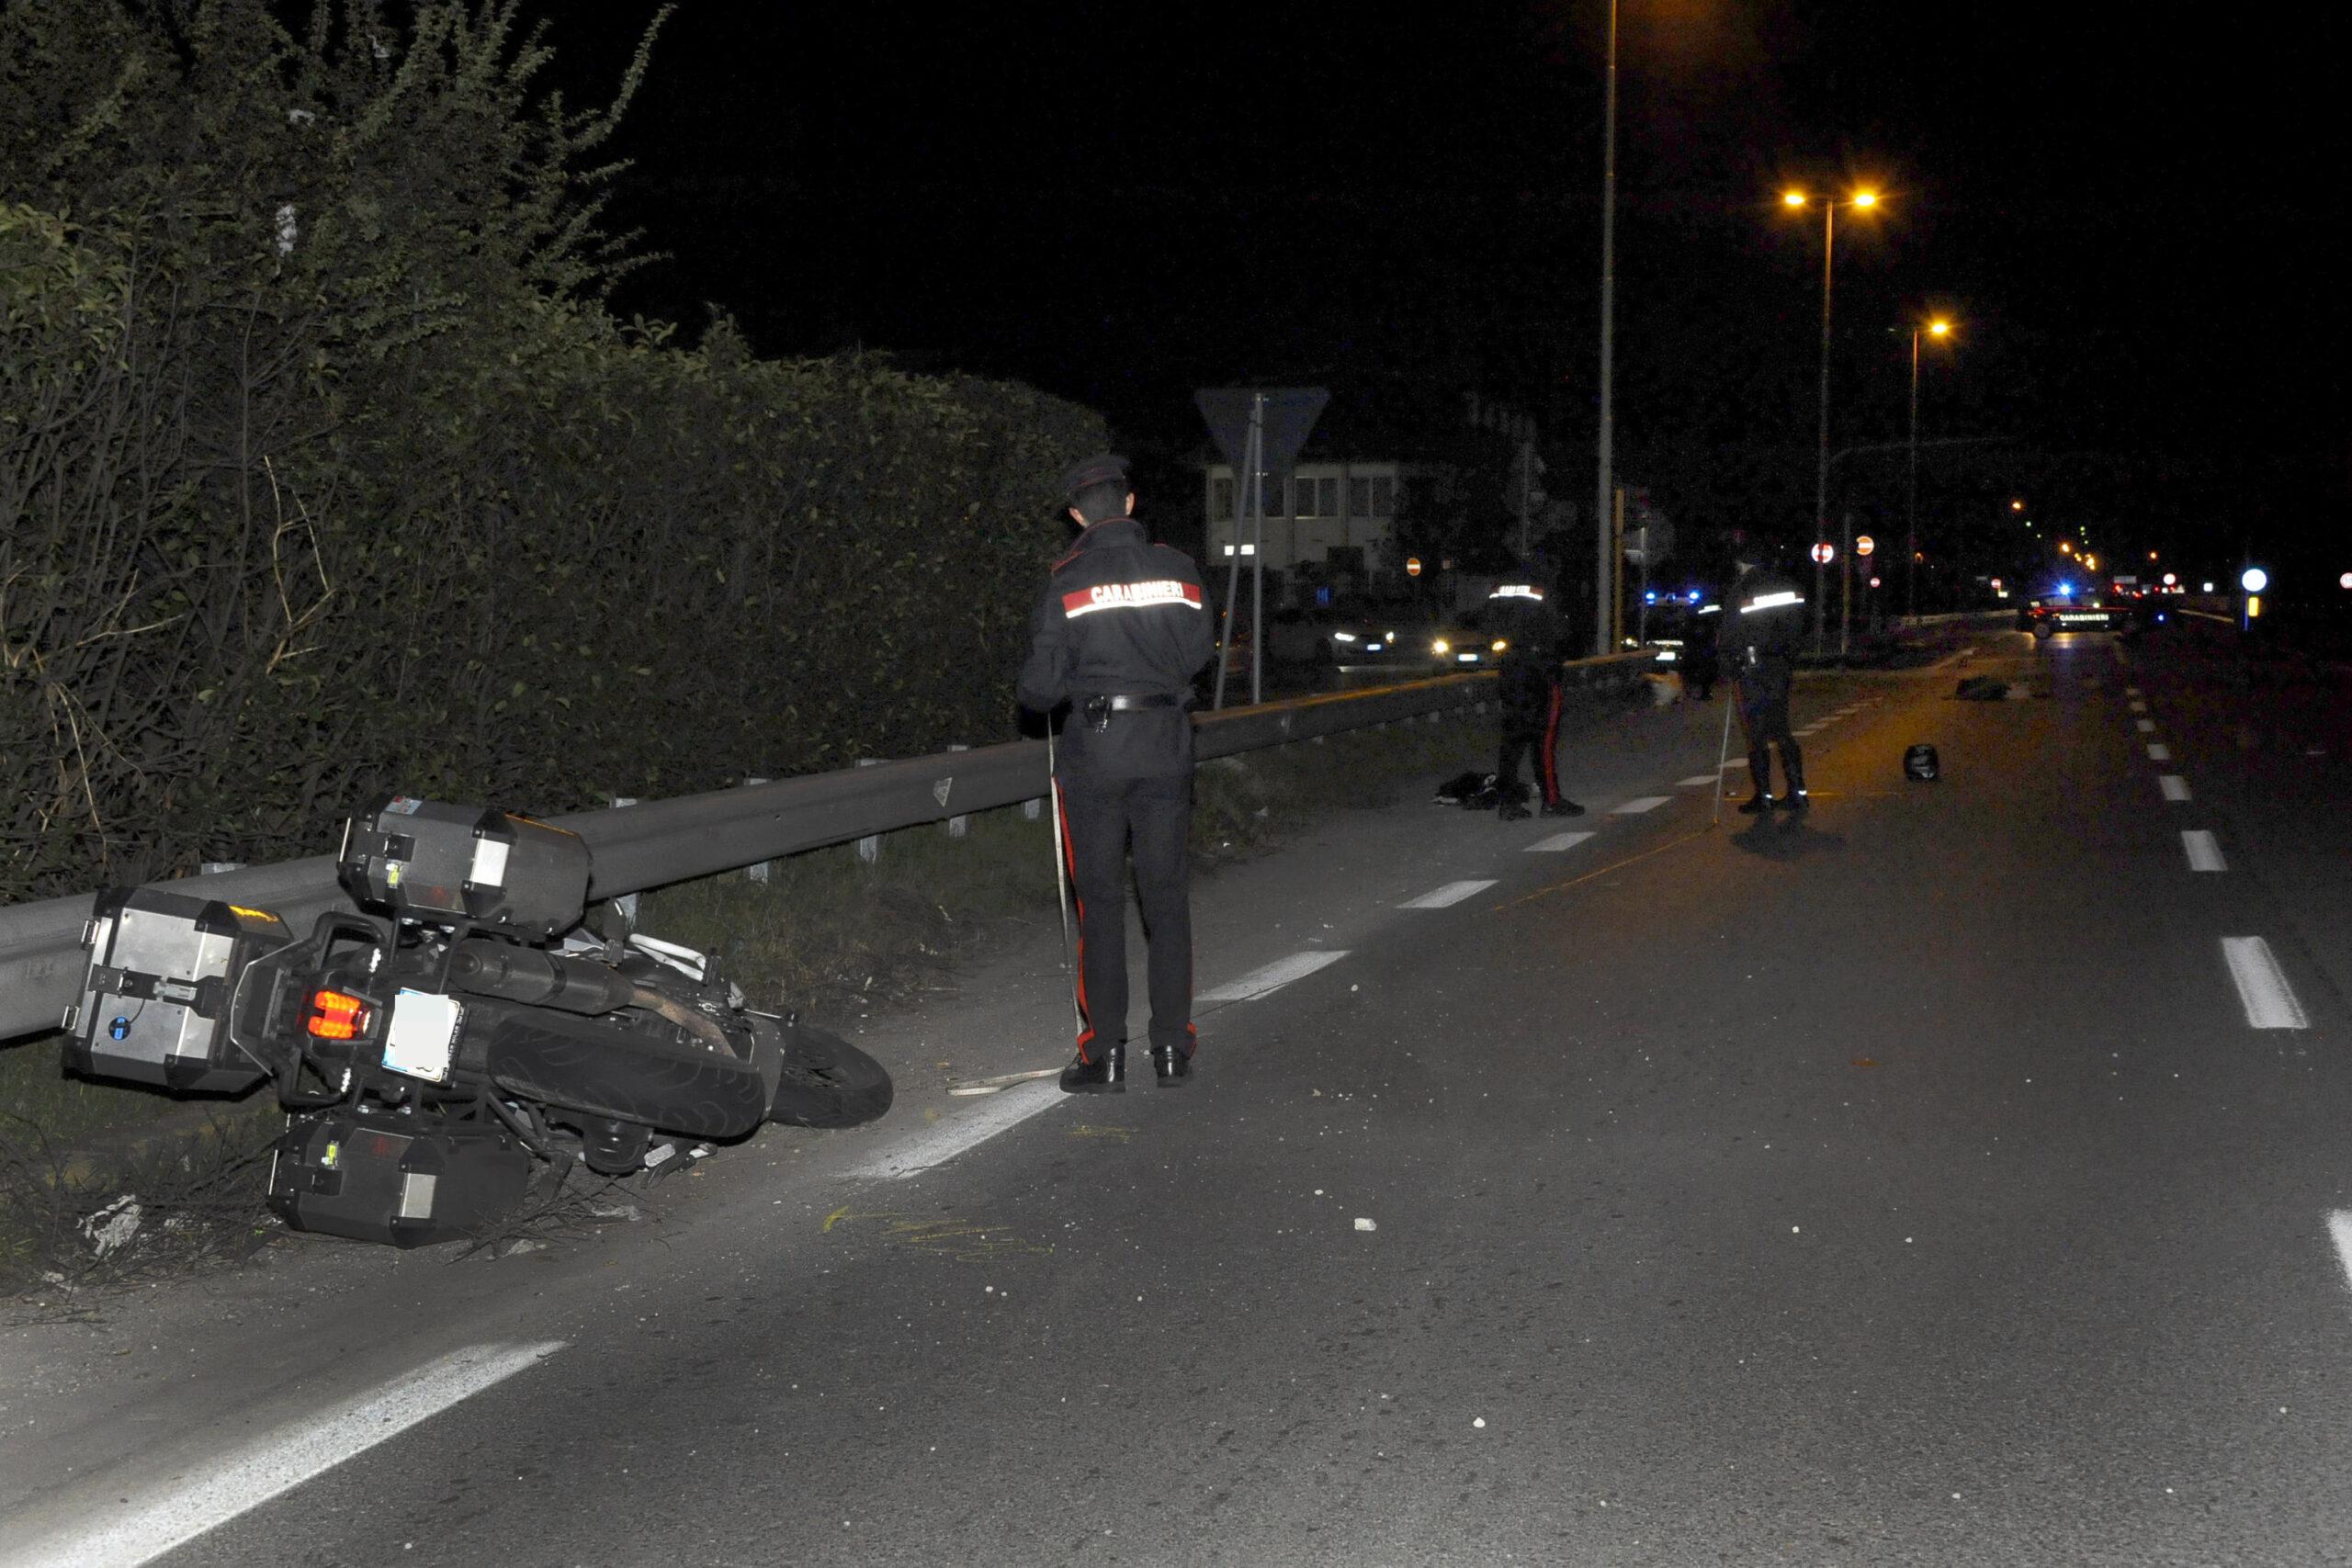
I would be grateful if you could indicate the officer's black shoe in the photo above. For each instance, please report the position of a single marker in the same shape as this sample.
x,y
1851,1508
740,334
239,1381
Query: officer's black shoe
x,y
1798,803
1107,1073
1171,1066
1755,805
1562,807
1512,811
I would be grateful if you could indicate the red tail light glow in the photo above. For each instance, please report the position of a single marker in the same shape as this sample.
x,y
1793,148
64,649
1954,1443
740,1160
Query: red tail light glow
x,y
336,1015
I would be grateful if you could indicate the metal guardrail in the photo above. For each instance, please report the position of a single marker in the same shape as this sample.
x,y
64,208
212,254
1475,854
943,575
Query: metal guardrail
x,y
636,847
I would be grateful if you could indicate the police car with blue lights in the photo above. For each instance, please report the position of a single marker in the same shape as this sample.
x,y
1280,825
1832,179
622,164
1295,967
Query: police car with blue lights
x,y
2066,608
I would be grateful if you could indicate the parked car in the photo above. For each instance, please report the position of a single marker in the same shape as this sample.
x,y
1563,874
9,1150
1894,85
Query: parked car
x,y
1322,637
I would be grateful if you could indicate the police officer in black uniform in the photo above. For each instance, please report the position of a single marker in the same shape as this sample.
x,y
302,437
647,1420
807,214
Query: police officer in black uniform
x,y
1527,689
1764,627
1702,646
1122,630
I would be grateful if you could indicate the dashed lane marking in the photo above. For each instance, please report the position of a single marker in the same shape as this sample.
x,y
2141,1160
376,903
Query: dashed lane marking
x,y
2130,691
1697,781
1640,804
2263,991
2176,788
2159,752
2144,726
1559,842
2339,1231
2138,706
966,1129
1271,977
2204,850
282,1460
1452,893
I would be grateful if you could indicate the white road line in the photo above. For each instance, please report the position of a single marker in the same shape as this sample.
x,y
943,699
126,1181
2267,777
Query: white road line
x,y
1734,764
284,1459
2263,991
2204,850
2175,788
1443,897
1696,781
952,1135
2130,691
2339,1231
2144,726
1273,977
1640,804
1809,729
2159,752
2138,706
1558,842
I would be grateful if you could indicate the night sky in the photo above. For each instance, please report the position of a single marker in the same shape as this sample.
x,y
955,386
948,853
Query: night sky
x,y
2137,224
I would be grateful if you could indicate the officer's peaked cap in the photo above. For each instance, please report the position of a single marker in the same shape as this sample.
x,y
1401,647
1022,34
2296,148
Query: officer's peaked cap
x,y
1103,469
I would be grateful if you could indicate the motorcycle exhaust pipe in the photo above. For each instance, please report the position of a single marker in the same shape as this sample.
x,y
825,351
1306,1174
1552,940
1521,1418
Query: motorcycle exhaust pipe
x,y
538,979
569,985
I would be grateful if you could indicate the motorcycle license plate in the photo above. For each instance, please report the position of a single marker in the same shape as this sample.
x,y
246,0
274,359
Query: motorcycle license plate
x,y
423,1037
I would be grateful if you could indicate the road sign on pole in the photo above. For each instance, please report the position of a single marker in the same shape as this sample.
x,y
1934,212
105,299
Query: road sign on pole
x,y
1260,429
1865,545
1824,554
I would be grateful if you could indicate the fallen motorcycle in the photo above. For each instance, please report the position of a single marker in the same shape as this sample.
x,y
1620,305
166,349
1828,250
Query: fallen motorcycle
x,y
434,1048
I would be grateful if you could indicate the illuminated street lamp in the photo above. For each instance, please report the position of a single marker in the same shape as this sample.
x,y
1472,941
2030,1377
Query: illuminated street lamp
x,y
2065,546
1795,200
1937,328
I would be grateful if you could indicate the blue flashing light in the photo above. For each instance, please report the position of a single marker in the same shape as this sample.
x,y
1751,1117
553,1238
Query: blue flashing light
x,y
2065,590
1694,596
1650,597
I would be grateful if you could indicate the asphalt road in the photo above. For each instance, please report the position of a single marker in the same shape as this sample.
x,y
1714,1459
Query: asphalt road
x,y
1919,1182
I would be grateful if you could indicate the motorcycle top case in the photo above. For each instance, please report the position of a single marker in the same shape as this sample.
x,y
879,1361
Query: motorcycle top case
x,y
155,1002
441,865
380,1176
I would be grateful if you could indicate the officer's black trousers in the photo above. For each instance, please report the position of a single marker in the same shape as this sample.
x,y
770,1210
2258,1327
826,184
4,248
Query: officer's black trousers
x,y
1535,736
1103,819
1764,713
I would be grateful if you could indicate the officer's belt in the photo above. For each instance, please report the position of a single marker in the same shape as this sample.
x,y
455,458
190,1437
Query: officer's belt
x,y
1123,702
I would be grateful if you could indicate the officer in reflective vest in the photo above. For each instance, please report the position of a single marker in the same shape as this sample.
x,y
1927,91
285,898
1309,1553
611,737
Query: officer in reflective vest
x,y
1116,641
1527,690
1764,626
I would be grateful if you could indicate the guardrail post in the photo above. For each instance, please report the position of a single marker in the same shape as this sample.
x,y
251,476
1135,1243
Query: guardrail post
x,y
869,849
758,872
626,902
957,826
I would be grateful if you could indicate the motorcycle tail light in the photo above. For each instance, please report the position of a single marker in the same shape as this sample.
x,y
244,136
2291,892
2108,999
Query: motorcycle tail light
x,y
336,1015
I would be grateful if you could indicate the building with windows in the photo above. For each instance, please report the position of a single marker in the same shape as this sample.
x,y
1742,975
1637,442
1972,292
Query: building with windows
x,y
1340,516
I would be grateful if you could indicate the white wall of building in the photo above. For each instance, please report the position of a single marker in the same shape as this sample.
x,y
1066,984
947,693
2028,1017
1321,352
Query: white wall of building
x,y
1325,507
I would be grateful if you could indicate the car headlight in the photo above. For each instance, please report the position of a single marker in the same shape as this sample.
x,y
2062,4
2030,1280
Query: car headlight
x,y
1343,636
1501,644
1441,646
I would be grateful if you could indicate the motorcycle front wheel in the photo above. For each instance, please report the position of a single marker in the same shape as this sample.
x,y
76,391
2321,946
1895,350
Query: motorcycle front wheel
x,y
828,1082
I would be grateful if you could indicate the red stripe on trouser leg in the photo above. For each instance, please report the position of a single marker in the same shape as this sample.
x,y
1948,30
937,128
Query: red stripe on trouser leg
x,y
1069,864
1551,749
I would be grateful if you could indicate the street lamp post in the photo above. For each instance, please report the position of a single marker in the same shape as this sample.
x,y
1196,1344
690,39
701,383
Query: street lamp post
x,y
1797,199
1937,328
1604,568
